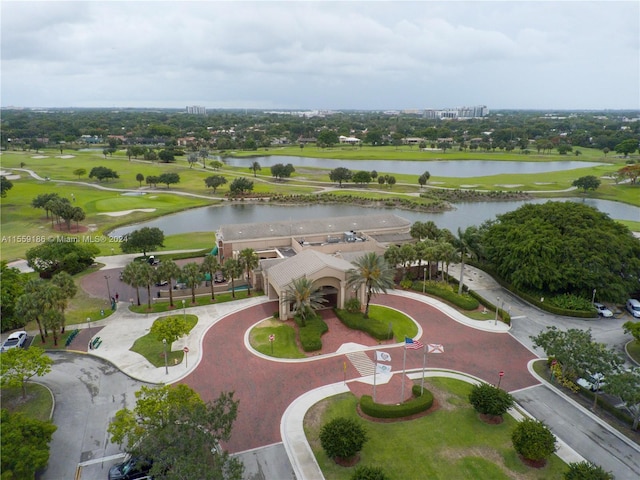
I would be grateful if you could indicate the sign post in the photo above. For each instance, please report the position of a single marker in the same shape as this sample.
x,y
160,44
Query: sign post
x,y
186,351
500,375
272,337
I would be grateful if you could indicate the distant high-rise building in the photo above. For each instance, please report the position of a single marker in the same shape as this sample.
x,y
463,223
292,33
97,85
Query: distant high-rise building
x,y
478,111
196,110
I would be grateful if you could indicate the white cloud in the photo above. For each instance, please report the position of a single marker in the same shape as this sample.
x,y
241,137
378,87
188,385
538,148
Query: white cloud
x,y
561,54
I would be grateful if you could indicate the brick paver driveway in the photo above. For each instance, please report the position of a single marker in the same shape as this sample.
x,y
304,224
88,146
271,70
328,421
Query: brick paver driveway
x,y
265,388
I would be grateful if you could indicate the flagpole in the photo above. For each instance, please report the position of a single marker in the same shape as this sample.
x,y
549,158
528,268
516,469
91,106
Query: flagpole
x,y
375,370
424,366
404,363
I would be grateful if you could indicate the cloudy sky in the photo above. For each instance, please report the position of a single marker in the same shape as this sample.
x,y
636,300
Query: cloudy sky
x,y
321,55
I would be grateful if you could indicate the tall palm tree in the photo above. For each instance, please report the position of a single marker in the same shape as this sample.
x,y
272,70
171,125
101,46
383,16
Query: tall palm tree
x,y
466,242
131,275
147,278
68,287
28,306
372,271
249,260
255,166
305,297
192,277
232,269
54,319
167,271
210,265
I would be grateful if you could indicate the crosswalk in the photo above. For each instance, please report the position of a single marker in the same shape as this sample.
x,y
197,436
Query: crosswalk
x,y
362,362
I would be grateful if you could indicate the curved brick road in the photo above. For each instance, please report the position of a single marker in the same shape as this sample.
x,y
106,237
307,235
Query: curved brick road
x,y
265,388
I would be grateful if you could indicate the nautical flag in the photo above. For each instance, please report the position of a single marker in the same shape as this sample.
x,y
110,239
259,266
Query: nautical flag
x,y
383,357
383,369
435,348
412,344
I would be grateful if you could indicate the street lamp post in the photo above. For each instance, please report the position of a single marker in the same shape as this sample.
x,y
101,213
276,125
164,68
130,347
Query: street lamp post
x,y
424,279
166,365
184,310
497,302
593,297
107,277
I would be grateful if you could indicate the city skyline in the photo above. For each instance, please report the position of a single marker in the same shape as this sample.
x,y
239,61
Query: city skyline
x,y
294,55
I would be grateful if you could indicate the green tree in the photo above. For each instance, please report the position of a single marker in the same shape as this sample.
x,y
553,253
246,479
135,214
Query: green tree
x,y
340,174
169,178
152,180
589,182
489,400
192,158
52,257
169,328
423,179
373,272
586,471
466,243
304,297
192,277
215,181
255,166
232,269
68,289
133,276
42,201
172,425
422,230
533,440
361,177
560,247
211,265
216,164
633,328
12,284
19,365
5,186
565,346
240,186
280,171
342,438
203,153
140,178
626,386
146,277
249,260
391,180
327,138
24,443
168,270
79,172
167,155
627,146
143,240
102,173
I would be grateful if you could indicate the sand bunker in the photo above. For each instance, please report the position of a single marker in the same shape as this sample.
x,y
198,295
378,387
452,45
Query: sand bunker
x,y
39,156
469,186
66,156
127,212
515,185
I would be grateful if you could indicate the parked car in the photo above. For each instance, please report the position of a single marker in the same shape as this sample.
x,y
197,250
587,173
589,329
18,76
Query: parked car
x,y
593,382
633,306
603,311
162,283
132,469
15,340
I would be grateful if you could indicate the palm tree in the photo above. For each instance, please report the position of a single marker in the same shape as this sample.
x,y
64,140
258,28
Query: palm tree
x,y
255,166
372,271
147,278
305,297
465,243
232,269
28,305
54,319
68,288
168,270
249,260
132,276
210,265
192,277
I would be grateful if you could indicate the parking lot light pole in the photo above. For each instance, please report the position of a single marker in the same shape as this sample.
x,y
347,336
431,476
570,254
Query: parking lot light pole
x,y
107,277
497,303
593,297
184,310
424,279
166,365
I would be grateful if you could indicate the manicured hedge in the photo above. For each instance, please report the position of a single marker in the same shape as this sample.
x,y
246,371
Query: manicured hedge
x,y
311,334
374,327
464,301
420,403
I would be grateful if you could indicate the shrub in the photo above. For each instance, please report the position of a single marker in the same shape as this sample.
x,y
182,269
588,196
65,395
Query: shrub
x,y
342,438
489,400
446,292
352,305
373,326
369,473
311,334
420,403
586,471
533,440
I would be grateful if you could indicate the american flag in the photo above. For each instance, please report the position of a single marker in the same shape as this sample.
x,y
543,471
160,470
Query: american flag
x,y
412,344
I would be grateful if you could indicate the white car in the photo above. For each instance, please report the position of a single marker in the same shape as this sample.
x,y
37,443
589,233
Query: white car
x,y
603,311
15,340
593,382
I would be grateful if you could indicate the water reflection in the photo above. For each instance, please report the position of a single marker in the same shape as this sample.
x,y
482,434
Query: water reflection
x,y
439,168
209,219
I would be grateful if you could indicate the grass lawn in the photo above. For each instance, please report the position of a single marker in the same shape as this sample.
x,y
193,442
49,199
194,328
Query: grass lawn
x,y
153,349
38,403
449,443
284,344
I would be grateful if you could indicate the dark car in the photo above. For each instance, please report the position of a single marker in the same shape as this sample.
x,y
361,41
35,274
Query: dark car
x,y
131,469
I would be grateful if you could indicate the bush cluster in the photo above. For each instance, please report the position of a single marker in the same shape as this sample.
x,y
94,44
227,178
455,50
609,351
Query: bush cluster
x,y
459,195
445,291
489,400
311,334
422,401
342,437
356,321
